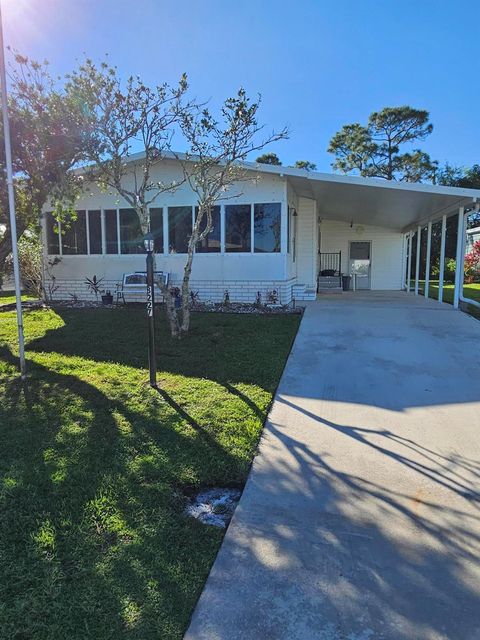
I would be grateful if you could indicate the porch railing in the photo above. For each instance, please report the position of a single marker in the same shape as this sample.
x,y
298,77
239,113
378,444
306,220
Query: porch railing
x,y
330,271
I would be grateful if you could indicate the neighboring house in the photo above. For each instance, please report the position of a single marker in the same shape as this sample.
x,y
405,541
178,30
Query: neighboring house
x,y
473,236
286,228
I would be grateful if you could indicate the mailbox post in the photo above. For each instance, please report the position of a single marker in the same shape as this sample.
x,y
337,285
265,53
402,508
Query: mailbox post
x,y
152,363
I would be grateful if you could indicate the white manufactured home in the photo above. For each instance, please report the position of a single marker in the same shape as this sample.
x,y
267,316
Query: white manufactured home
x,y
285,230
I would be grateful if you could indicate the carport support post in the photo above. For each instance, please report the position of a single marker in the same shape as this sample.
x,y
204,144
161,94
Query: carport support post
x,y
427,260
460,257
441,272
409,263
417,260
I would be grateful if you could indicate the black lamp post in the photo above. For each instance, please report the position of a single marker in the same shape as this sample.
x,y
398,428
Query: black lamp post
x,y
152,364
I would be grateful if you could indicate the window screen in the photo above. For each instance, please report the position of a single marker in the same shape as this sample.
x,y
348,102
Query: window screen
x,y
211,243
156,227
238,231
111,239
53,244
359,251
179,228
74,235
95,231
267,224
131,236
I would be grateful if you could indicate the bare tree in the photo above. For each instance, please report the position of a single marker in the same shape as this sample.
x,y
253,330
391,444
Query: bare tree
x,y
124,120
214,163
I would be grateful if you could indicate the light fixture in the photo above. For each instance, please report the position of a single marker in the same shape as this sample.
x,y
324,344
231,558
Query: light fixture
x,y
149,242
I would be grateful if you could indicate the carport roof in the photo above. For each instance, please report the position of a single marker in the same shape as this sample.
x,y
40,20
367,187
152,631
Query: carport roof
x,y
396,205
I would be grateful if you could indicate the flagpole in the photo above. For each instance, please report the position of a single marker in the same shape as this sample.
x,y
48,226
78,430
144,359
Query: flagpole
x,y
11,202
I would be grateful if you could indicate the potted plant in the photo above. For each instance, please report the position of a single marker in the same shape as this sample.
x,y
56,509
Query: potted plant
x,y
107,297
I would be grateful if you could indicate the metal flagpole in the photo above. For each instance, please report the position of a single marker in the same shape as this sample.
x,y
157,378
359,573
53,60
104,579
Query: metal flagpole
x,y
11,201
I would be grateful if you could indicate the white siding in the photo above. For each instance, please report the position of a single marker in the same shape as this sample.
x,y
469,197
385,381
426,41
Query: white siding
x,y
306,242
387,250
255,271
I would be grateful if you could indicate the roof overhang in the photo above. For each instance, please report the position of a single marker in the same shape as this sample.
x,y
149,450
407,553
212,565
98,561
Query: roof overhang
x,y
394,205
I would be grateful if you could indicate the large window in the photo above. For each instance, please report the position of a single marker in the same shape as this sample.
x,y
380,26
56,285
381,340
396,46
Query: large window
x,y
131,236
51,227
95,231
179,228
267,223
156,227
211,242
74,235
111,237
238,228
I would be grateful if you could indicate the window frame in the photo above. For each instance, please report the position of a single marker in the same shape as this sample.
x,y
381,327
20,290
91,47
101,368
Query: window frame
x,y
286,242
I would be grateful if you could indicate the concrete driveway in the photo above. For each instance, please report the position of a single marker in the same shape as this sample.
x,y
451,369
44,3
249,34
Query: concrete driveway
x,y
360,519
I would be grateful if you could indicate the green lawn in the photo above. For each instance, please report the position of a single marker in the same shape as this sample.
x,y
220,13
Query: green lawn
x,y
469,291
95,466
7,297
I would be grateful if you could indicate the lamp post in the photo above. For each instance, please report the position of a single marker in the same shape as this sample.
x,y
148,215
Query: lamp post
x,y
152,364
11,205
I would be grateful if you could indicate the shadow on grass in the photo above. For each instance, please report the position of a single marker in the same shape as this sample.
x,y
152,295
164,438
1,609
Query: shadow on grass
x,y
93,540
225,348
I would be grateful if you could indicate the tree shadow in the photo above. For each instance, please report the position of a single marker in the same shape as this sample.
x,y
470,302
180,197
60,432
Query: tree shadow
x,y
226,348
317,551
94,542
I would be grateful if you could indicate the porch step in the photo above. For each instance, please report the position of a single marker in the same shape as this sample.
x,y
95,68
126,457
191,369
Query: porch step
x,y
328,290
328,282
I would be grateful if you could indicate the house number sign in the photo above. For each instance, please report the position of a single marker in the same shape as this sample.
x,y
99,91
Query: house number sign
x,y
149,301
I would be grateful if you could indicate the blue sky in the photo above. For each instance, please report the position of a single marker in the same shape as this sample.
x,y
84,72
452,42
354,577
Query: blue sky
x,y
317,64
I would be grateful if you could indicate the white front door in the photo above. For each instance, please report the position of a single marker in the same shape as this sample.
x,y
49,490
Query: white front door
x,y
360,263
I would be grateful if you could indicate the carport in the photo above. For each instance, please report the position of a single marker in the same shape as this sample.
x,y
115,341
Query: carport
x,y
403,207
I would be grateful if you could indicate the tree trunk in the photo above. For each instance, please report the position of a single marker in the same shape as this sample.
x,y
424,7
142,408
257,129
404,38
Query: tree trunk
x,y
186,290
172,316
171,310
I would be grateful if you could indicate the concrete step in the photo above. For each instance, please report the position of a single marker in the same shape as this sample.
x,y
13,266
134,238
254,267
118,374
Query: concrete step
x,y
330,290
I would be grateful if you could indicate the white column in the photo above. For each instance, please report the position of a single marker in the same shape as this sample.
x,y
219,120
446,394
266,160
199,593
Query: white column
x,y
441,272
427,261
409,264
417,261
460,257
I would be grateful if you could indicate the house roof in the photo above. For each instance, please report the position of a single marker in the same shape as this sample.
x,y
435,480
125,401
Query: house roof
x,y
395,205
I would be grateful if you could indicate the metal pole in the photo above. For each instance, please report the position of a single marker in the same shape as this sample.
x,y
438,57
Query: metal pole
x,y
152,363
427,260
409,264
460,258
11,204
441,273
417,259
